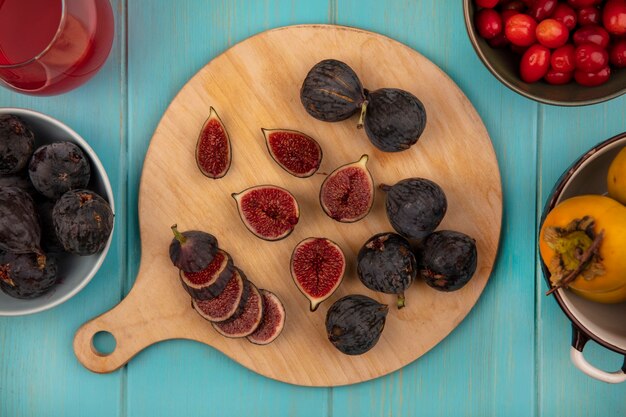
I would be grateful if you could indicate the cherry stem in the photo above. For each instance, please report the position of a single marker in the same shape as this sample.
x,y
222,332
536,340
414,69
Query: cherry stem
x,y
177,235
362,116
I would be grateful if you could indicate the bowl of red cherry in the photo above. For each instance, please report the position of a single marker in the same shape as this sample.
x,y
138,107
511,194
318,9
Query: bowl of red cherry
x,y
560,52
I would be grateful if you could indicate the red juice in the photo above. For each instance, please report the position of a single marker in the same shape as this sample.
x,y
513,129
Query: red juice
x,y
51,46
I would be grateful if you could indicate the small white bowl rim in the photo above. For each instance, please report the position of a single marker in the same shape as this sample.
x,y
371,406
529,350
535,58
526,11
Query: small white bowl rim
x,y
109,191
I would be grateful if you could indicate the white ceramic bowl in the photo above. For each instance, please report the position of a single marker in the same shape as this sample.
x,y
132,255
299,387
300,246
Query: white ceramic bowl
x,y
75,271
604,323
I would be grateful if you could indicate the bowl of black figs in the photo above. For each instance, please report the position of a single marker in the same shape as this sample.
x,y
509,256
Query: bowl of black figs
x,y
546,52
56,212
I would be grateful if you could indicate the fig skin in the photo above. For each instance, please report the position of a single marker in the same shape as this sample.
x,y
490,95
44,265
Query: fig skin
x,y
17,142
22,275
394,119
332,91
193,250
19,227
83,222
449,260
386,264
415,206
354,323
57,168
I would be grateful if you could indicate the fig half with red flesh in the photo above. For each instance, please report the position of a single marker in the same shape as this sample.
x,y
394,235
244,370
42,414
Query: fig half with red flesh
x,y
193,250
213,149
248,321
298,154
347,194
211,281
229,303
317,267
268,211
273,320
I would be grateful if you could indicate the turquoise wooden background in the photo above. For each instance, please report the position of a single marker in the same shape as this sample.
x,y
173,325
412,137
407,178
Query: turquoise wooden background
x,y
510,357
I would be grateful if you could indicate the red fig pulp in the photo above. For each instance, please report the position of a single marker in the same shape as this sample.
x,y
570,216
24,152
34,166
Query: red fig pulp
x,y
317,268
273,320
247,322
347,194
269,212
211,281
213,149
229,303
298,154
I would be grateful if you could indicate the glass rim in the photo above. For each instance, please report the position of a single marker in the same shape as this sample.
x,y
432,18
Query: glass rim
x,y
47,48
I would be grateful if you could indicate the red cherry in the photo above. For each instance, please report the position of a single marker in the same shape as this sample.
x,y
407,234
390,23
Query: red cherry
x,y
617,54
535,63
520,30
542,9
562,59
592,34
590,57
516,5
592,79
566,15
555,77
579,4
488,23
588,16
614,17
552,33
490,4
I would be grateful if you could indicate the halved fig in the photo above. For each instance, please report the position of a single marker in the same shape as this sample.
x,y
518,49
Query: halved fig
x,y
248,321
347,194
229,303
213,149
211,281
317,268
268,211
298,154
193,250
273,319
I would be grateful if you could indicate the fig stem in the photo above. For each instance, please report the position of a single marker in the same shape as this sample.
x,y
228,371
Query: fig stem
x,y
177,235
362,116
401,301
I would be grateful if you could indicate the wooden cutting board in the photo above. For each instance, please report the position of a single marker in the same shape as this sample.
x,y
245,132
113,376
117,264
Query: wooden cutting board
x,y
255,85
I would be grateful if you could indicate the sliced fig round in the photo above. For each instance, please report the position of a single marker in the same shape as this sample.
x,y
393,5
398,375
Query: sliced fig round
x,y
193,250
415,206
331,91
386,264
229,303
269,212
347,194
211,281
298,154
394,119
354,323
317,267
273,319
449,260
213,149
19,228
248,321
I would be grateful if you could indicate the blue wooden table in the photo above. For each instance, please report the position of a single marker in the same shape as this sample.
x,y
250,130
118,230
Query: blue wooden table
x,y
510,357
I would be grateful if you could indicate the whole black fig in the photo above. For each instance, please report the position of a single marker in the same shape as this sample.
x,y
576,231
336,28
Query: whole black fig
x,y
448,260
16,144
57,168
83,222
23,276
354,323
332,91
19,227
394,119
415,206
386,264
193,250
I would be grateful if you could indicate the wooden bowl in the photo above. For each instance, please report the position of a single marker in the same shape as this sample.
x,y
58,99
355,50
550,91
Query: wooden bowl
x,y
504,64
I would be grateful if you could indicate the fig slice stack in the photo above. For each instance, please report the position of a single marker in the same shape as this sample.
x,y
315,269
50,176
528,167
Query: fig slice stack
x,y
298,154
317,267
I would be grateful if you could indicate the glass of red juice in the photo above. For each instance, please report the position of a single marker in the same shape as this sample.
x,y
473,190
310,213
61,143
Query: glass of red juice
x,y
52,46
